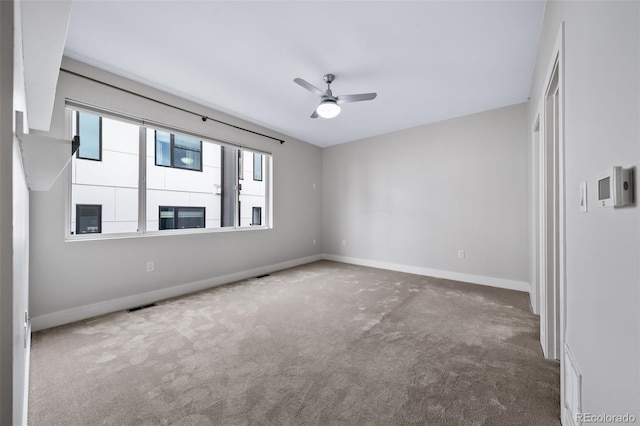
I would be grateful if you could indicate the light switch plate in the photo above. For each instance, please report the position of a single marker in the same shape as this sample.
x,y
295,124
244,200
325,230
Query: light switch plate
x,y
583,197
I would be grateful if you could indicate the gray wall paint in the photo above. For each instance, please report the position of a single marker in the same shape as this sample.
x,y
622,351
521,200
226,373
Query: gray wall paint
x,y
68,275
416,196
602,129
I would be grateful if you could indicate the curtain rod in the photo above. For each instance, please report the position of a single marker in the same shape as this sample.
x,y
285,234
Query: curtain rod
x,y
203,117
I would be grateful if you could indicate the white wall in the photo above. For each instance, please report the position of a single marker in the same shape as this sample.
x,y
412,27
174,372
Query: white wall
x,y
68,277
602,129
21,336
417,196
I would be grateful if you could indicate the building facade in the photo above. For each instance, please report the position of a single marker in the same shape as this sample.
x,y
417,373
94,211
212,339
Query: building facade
x,y
185,182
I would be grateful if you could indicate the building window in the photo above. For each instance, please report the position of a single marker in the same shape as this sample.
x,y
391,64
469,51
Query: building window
x,y
88,218
256,216
177,151
181,217
257,166
89,128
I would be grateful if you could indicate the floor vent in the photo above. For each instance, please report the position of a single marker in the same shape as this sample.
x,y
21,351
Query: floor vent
x,y
572,390
262,276
137,308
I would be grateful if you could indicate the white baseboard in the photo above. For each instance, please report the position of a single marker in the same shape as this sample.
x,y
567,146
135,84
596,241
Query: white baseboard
x,y
457,276
27,366
89,311
532,300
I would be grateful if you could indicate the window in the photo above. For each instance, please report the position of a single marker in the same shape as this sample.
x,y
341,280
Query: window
x,y
253,191
141,189
178,151
256,216
88,218
111,182
257,166
89,128
181,217
167,186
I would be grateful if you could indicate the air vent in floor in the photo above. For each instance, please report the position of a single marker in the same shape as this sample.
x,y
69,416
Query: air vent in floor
x,y
137,308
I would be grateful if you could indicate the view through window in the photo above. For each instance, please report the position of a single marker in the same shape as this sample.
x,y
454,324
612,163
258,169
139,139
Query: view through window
x,y
186,182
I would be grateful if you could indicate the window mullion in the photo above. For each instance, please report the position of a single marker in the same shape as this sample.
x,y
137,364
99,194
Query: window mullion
x,y
268,191
237,195
172,147
142,180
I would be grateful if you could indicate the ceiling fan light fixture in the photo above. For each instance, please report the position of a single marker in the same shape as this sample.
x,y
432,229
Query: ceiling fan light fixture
x,y
329,106
328,109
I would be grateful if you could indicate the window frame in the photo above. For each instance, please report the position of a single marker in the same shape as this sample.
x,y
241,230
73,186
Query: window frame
x,y
172,148
144,124
78,156
176,216
253,215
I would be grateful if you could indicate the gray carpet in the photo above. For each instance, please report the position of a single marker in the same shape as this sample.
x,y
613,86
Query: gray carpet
x,y
324,343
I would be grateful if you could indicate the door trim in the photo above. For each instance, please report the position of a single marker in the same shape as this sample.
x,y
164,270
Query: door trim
x,y
558,325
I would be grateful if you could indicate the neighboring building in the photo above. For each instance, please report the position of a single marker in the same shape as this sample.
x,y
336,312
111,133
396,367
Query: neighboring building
x,y
187,185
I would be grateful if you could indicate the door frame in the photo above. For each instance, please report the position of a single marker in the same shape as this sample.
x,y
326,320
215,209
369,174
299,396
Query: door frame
x,y
536,172
553,295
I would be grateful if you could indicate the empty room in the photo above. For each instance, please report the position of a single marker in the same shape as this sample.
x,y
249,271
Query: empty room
x,y
319,212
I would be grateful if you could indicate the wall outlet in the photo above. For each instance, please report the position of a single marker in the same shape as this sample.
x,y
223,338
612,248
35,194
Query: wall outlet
x,y
344,242
460,254
150,266
314,241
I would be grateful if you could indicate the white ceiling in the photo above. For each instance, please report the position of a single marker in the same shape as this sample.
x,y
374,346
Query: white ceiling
x,y
427,60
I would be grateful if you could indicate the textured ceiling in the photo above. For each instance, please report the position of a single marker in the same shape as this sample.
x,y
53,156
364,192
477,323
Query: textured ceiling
x,y
427,60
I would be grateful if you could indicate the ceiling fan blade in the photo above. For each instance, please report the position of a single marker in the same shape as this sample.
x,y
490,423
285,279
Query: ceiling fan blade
x,y
315,114
310,87
343,99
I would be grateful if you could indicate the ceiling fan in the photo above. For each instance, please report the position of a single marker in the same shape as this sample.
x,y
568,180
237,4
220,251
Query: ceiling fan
x,y
330,105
